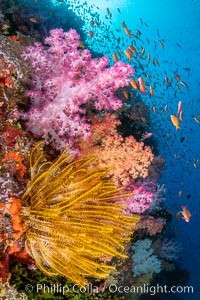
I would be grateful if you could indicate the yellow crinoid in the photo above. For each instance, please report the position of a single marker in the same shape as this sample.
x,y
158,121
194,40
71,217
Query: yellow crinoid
x,y
73,218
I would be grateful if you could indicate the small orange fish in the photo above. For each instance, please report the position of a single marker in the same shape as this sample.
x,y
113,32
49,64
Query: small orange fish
x,y
142,86
186,214
143,51
177,77
33,20
81,44
134,84
128,54
127,31
149,57
132,49
14,38
175,121
91,33
125,93
115,57
143,119
123,24
180,194
151,90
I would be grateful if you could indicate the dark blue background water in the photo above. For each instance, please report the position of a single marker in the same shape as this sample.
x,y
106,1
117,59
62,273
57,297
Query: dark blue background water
x,y
176,21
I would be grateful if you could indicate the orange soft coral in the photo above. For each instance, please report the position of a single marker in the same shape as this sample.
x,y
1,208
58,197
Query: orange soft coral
x,y
15,206
13,156
17,223
126,158
101,128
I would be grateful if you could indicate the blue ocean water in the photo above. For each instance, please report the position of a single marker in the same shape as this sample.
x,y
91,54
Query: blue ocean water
x,y
176,24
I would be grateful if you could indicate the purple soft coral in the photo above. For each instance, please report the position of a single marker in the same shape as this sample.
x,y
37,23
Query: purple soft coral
x,y
140,201
65,78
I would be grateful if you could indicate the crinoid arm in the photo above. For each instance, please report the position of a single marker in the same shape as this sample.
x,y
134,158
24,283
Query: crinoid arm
x,y
74,217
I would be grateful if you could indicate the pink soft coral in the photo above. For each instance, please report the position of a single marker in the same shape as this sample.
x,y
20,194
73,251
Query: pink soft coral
x,y
65,78
140,201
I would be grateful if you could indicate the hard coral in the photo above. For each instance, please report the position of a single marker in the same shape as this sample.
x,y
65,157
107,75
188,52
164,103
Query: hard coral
x,y
65,79
73,218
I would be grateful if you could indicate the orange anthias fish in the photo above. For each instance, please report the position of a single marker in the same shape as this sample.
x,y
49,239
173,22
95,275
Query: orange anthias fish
x,y
81,44
132,49
175,121
125,93
128,54
33,20
134,84
142,51
127,31
177,77
151,90
142,86
114,55
186,214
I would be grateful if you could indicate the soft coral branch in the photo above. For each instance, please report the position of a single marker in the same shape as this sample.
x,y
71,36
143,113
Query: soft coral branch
x,y
65,79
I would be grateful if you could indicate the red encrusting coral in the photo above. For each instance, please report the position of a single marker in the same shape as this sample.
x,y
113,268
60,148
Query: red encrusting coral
x,y
17,158
6,72
11,238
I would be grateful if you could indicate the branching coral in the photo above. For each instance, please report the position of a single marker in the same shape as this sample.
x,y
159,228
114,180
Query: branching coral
x,y
73,218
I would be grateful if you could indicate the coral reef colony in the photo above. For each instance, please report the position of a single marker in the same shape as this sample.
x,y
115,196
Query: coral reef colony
x,y
80,200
